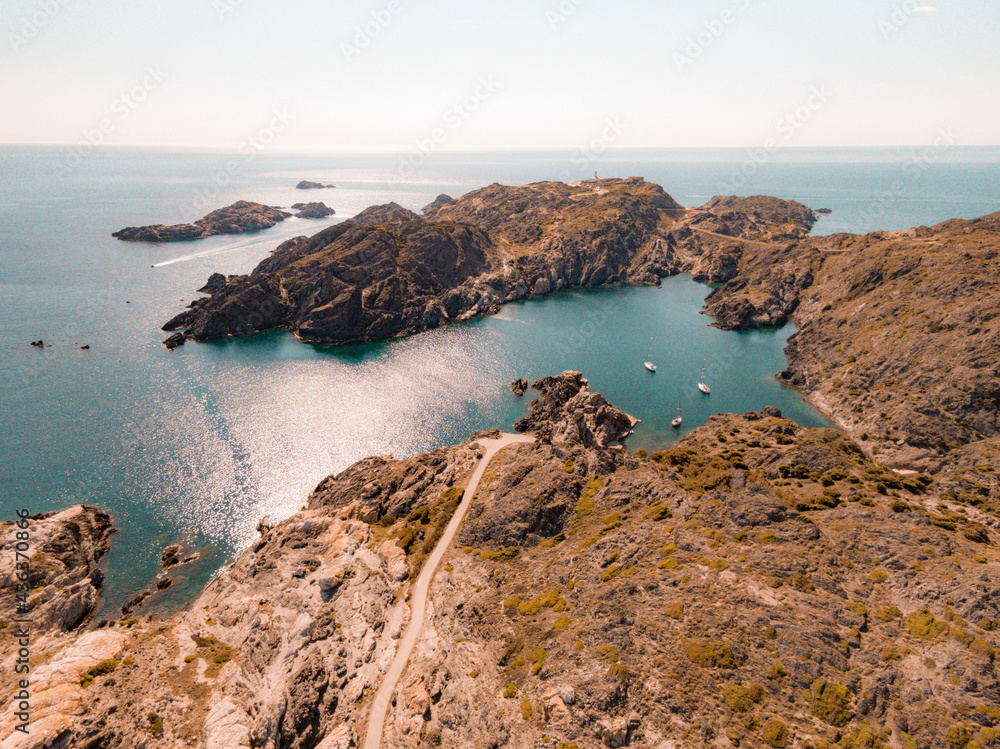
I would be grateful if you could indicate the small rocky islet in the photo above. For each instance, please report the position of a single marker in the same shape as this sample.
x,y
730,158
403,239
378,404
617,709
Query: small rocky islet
x,y
309,185
242,217
756,584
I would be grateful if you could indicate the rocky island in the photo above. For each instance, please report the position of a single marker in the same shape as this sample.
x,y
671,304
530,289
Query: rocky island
x,y
242,217
758,584
307,185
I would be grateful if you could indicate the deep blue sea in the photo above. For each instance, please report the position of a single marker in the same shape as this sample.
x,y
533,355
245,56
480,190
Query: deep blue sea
x,y
198,444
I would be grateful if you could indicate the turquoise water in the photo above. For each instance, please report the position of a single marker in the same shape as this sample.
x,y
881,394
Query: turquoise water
x,y
200,443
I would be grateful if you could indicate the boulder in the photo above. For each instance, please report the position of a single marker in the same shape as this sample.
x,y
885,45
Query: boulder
x,y
613,732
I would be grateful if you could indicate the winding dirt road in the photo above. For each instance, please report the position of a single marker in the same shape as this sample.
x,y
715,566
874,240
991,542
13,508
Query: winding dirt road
x,y
418,596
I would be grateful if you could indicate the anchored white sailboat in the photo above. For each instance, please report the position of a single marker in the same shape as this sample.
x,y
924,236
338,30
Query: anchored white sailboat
x,y
679,420
648,364
701,384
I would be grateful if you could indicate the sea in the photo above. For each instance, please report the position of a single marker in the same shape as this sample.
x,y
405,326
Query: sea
x,y
198,444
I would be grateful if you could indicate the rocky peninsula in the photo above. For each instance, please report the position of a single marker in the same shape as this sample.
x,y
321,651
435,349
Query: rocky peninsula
x,y
758,584
390,272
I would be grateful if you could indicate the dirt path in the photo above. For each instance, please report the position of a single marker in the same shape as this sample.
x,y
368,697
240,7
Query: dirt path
x,y
418,596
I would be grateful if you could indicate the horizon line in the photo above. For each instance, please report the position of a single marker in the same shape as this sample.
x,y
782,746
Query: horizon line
x,y
314,150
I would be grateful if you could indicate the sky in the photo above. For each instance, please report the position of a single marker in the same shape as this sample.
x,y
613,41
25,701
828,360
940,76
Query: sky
x,y
388,75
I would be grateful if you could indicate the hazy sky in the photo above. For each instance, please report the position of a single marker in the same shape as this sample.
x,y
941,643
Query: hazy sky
x,y
501,74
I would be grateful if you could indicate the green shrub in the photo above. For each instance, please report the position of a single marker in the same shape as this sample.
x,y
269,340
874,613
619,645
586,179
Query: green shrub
x,y
608,652
104,667
585,506
545,601
510,692
674,610
776,671
976,532
831,702
503,555
958,737
922,624
659,511
737,698
526,708
775,734
610,573
717,654
155,724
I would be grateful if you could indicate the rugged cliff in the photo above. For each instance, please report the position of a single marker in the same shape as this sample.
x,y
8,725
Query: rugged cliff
x,y
759,584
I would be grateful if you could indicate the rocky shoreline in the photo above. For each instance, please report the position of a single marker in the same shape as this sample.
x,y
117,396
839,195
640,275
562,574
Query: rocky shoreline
x,y
758,583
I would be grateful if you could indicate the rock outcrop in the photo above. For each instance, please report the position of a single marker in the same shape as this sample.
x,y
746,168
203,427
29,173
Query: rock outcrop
x,y
390,272
568,413
242,217
63,550
307,185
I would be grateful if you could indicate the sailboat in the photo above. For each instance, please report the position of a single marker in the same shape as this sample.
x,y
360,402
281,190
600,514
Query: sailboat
x,y
701,384
648,364
677,422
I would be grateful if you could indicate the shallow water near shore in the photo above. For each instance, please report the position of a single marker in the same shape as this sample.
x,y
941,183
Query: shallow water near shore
x,y
200,443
